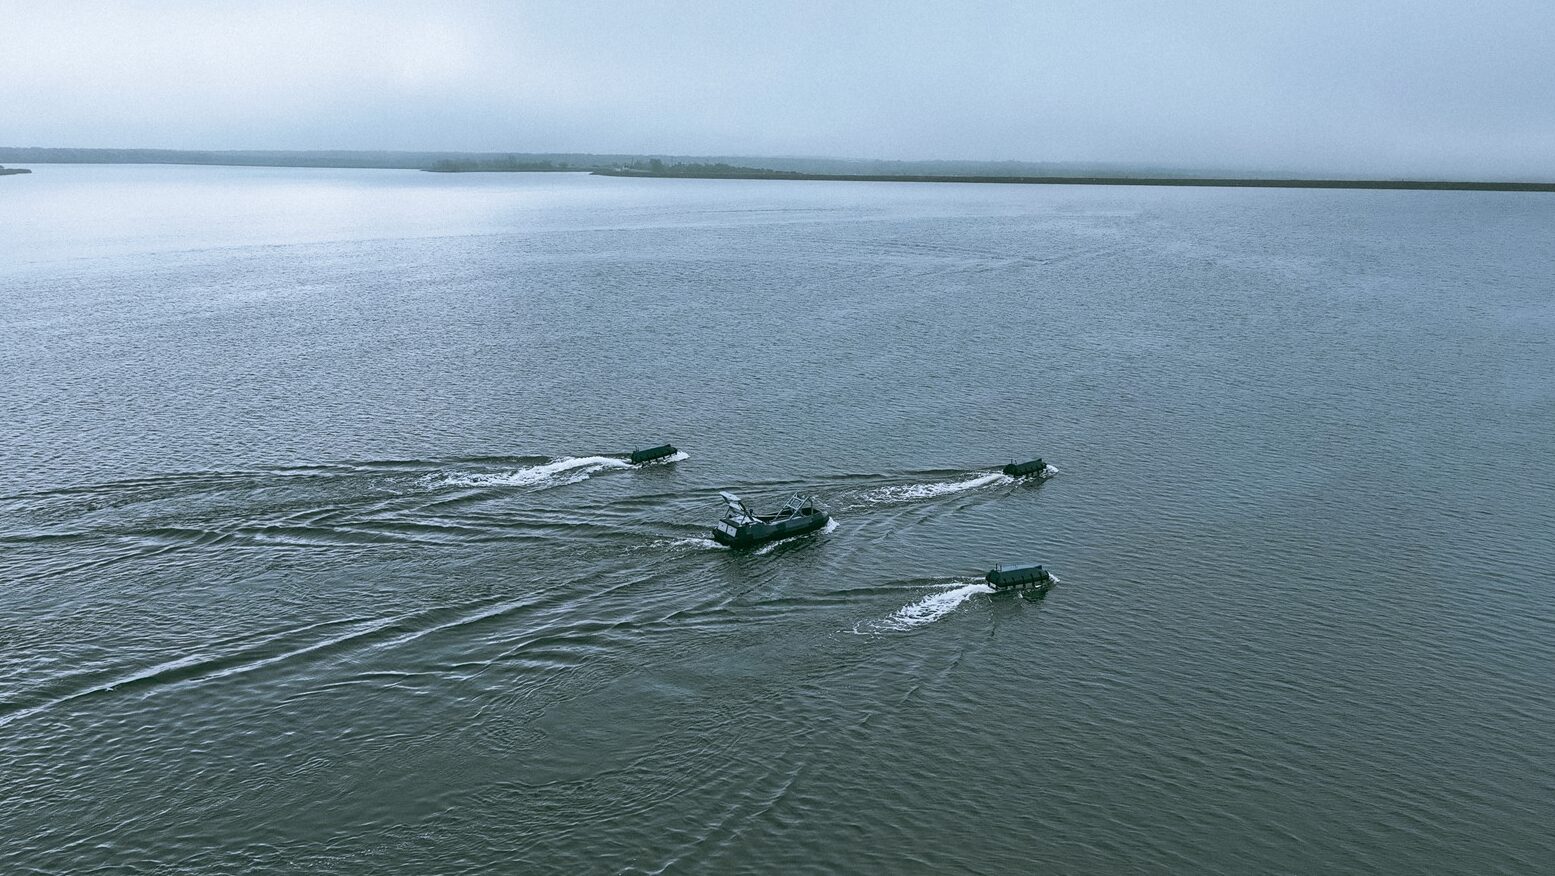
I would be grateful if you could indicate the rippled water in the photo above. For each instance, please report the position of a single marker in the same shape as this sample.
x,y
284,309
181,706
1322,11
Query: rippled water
x,y
317,558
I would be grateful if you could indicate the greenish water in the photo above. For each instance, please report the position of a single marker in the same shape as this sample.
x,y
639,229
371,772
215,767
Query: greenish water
x,y
314,559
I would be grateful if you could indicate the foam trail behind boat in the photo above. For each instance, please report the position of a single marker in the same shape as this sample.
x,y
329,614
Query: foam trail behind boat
x,y
934,489
927,610
689,544
566,470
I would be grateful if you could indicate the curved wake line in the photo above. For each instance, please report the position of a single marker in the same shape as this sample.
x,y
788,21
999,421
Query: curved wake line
x,y
914,492
925,611
379,635
196,667
556,473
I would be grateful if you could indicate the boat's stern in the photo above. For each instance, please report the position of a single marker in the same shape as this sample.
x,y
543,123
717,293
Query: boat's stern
x,y
728,533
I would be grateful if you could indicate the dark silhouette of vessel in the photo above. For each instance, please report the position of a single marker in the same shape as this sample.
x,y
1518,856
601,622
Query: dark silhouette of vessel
x,y
742,527
1022,469
638,457
1024,579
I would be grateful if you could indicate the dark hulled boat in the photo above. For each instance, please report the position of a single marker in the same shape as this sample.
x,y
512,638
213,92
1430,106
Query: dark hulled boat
x,y
638,457
742,527
1028,578
1025,469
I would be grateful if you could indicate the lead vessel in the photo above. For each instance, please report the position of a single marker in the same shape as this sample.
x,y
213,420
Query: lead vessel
x,y
742,527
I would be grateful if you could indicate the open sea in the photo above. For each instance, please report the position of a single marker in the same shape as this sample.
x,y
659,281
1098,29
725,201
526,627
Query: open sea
x,y
315,556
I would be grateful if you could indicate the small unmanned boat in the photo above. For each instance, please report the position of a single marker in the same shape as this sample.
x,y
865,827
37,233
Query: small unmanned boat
x,y
742,527
638,457
1024,579
1035,467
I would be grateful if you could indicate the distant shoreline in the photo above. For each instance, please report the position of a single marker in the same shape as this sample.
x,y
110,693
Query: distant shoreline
x,y
1211,182
748,168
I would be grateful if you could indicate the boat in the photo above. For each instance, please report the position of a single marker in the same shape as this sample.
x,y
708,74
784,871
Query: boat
x,y
638,457
742,527
1026,578
1022,469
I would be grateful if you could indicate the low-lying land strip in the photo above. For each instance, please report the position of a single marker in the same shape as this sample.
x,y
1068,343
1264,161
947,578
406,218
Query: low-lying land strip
x,y
682,167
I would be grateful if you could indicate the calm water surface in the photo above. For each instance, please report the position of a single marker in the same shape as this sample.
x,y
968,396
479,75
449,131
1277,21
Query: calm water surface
x,y
314,560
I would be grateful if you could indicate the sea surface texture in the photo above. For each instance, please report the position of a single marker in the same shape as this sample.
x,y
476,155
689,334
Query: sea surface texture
x,y
316,555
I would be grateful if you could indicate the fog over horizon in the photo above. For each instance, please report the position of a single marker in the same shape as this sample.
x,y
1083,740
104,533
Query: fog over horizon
x,y
1388,88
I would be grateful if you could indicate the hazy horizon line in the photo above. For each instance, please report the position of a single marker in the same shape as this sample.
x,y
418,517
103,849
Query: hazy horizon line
x,y
1173,168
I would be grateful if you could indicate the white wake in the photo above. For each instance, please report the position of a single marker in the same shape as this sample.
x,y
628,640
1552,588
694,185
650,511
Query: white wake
x,y
567,470
688,544
926,610
914,492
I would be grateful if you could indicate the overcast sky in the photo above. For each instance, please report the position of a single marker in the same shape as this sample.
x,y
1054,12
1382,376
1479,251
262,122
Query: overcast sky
x,y
1379,86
